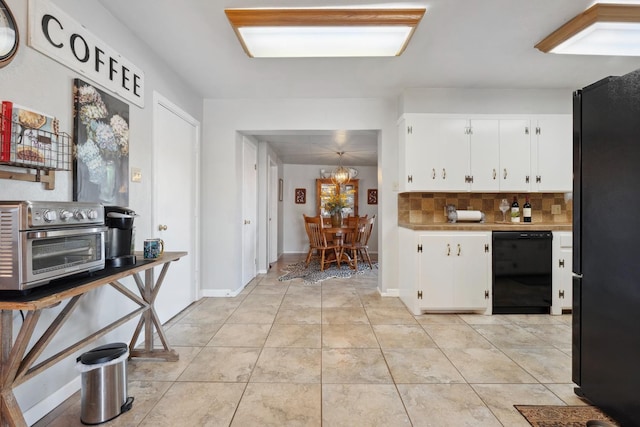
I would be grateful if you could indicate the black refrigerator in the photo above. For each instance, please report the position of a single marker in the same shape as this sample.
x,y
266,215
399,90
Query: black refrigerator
x,y
606,246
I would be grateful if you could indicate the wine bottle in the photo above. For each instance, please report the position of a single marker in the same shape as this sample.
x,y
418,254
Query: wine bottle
x,y
515,210
526,210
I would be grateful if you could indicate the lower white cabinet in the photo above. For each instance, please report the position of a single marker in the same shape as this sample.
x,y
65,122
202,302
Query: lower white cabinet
x,y
561,277
445,271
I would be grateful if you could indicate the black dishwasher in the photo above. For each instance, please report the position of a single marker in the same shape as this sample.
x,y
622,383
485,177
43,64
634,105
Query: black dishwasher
x,y
522,272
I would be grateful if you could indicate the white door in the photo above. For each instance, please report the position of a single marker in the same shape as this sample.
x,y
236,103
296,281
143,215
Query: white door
x,y
515,155
552,152
272,209
454,155
471,273
485,155
249,210
421,154
436,270
176,203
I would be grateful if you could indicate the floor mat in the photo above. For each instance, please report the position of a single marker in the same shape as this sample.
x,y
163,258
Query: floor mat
x,y
312,274
562,416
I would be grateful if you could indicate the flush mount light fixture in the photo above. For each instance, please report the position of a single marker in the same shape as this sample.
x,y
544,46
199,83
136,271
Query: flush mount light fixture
x,y
290,33
603,29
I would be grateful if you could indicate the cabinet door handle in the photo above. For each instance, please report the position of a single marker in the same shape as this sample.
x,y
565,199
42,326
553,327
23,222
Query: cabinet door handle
x,y
494,173
504,175
459,249
448,249
444,173
526,180
433,173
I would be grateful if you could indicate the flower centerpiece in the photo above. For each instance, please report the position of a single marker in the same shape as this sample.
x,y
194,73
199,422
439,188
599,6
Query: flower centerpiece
x,y
334,203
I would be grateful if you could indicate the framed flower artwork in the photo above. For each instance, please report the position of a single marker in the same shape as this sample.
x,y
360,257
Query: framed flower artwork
x,y
101,139
301,196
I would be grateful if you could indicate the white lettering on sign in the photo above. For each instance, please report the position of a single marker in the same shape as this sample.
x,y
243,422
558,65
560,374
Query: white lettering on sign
x,y
58,36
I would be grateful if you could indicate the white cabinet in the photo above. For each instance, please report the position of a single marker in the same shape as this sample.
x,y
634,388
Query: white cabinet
x,y
561,277
484,143
445,271
448,153
552,153
485,153
433,153
515,155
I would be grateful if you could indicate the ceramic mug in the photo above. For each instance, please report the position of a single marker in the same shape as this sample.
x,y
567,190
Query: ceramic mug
x,y
153,248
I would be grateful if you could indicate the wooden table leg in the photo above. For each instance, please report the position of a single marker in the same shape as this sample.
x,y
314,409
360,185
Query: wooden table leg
x,y
150,321
10,355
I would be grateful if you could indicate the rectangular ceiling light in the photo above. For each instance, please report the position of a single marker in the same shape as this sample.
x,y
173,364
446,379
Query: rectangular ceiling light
x,y
295,33
603,29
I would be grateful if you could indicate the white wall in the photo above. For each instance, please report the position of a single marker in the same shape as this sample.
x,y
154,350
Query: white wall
x,y
304,176
486,101
223,119
35,80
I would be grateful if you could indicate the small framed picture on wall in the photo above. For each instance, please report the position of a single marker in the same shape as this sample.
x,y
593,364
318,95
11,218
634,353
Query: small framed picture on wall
x,y
372,196
301,196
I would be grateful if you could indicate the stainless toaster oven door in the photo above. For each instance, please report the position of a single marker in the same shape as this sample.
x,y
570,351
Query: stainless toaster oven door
x,y
50,254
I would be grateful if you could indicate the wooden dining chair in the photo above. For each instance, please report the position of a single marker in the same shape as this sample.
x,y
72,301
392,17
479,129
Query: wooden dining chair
x,y
318,241
357,242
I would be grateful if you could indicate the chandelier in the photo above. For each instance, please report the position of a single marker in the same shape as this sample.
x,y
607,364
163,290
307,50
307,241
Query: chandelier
x,y
340,175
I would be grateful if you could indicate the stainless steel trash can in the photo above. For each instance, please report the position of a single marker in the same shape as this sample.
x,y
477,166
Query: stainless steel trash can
x,y
104,383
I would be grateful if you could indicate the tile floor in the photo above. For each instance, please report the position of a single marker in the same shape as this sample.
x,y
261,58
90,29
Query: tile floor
x,y
338,354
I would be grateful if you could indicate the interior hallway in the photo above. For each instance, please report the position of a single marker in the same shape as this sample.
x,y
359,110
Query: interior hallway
x,y
337,354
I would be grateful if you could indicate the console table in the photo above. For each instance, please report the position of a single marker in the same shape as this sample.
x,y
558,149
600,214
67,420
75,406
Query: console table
x,y
17,365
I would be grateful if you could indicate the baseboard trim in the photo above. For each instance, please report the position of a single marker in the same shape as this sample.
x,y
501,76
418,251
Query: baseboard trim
x,y
221,293
390,293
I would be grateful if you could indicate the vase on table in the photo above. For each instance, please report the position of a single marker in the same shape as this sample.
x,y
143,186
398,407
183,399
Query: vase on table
x,y
108,184
336,219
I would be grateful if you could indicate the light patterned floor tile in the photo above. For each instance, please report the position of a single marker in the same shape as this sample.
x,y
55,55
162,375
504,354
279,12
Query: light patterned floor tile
x,y
445,405
369,405
275,405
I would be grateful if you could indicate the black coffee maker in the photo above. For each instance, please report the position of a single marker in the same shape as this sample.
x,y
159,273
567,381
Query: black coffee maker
x,y
119,243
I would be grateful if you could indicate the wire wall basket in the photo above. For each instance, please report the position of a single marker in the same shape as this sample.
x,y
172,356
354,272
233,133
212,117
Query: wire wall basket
x,y
37,144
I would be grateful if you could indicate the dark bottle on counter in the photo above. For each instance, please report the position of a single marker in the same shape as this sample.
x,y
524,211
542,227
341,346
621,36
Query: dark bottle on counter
x,y
526,210
515,210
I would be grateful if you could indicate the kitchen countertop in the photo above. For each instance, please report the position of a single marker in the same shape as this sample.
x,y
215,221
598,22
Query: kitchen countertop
x,y
489,226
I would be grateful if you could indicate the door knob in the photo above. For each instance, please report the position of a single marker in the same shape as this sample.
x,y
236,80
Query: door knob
x,y
162,227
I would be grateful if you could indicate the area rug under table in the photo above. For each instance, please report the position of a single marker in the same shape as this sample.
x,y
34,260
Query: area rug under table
x,y
563,416
312,274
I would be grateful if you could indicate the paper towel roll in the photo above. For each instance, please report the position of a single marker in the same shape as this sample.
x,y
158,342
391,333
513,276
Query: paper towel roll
x,y
470,215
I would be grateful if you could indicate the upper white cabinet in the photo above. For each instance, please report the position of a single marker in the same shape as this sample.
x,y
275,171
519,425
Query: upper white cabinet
x,y
515,157
551,153
434,153
484,143
485,153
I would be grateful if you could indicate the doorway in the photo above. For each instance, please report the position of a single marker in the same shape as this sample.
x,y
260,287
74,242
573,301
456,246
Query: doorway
x,y
272,213
249,210
176,202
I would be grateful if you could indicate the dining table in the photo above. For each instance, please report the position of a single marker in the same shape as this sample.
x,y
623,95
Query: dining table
x,y
337,235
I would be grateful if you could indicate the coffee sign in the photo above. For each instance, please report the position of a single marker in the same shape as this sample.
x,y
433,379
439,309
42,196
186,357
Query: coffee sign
x,y
57,35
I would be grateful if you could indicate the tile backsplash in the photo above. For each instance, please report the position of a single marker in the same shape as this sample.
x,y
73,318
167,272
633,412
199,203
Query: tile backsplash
x,y
428,208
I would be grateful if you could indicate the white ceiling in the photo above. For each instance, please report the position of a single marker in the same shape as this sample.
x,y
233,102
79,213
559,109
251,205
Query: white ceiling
x,y
459,43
